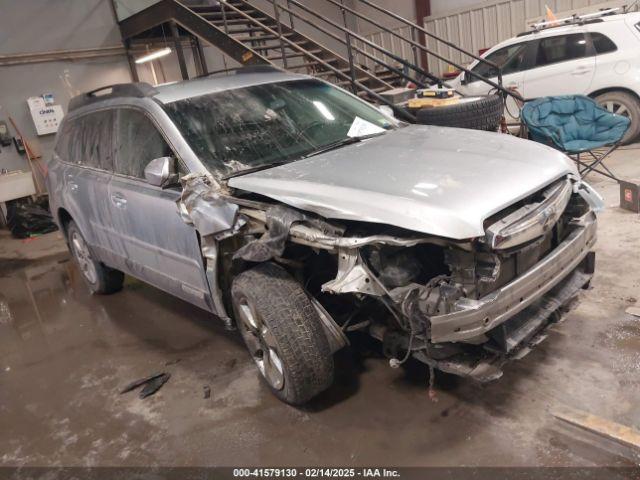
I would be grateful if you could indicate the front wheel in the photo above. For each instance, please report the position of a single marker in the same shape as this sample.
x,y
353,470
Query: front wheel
x,y
283,333
99,277
627,105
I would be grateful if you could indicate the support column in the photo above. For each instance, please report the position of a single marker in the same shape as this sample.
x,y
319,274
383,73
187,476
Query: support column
x,y
423,9
178,46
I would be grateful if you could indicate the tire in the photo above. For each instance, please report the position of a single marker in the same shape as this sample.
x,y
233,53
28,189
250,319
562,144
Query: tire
x,y
274,314
624,104
477,113
100,278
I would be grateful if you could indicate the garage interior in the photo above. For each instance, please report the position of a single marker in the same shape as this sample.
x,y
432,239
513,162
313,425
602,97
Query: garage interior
x,y
66,354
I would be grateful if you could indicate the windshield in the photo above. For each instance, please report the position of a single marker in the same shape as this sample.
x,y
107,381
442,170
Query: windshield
x,y
248,127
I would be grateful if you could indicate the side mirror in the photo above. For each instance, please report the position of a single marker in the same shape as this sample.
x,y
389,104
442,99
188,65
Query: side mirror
x,y
161,172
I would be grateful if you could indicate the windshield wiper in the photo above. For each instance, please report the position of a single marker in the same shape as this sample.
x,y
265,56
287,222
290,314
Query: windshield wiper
x,y
341,143
257,168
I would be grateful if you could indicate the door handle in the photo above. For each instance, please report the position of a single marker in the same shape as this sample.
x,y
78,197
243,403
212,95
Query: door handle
x,y
73,186
581,71
118,200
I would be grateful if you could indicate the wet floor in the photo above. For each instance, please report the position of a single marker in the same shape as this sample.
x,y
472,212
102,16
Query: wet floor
x,y
65,355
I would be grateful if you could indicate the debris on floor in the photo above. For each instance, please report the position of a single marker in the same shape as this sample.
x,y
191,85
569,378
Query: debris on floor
x,y
152,384
206,391
26,219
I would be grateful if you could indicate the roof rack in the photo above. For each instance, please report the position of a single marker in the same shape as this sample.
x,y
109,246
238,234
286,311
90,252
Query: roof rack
x,y
136,90
573,20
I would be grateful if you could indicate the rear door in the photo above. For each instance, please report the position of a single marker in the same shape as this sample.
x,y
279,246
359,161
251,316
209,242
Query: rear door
x,y
86,144
156,245
563,65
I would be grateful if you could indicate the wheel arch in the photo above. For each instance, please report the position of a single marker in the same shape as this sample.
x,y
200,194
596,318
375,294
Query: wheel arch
x,y
63,218
601,91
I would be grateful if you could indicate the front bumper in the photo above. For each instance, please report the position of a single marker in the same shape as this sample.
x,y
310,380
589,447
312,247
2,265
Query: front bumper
x,y
474,318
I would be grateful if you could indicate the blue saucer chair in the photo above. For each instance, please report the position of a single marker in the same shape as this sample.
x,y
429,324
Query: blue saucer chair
x,y
577,126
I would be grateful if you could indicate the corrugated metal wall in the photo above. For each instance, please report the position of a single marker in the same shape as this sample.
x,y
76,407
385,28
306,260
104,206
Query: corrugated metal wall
x,y
485,24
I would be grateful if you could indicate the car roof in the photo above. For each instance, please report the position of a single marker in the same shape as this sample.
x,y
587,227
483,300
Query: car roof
x,y
168,93
174,92
553,31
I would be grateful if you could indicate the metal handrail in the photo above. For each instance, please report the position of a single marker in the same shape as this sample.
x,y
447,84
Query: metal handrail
x,y
424,49
369,42
418,27
414,45
355,47
399,111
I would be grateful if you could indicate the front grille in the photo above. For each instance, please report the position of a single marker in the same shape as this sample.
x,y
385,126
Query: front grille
x,y
532,220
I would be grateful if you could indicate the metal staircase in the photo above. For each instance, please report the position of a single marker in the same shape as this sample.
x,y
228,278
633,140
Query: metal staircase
x,y
269,32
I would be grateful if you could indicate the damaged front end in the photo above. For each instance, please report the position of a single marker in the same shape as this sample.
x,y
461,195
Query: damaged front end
x,y
461,306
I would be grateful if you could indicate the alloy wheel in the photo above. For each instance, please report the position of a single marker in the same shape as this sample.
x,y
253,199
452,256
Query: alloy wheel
x,y
261,345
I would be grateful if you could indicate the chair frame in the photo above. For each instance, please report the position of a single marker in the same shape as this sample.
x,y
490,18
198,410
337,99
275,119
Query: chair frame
x,y
596,161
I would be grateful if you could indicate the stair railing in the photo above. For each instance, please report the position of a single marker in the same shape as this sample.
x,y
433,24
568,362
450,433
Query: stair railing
x,y
416,45
399,111
353,47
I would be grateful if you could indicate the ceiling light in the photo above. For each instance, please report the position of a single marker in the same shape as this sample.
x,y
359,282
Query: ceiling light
x,y
153,55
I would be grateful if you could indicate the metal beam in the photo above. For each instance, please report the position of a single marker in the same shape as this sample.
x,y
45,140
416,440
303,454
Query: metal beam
x,y
178,46
61,55
167,10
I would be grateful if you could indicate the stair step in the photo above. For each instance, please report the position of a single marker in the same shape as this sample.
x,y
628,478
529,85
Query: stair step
x,y
245,29
205,7
314,64
261,38
236,21
296,54
228,14
358,79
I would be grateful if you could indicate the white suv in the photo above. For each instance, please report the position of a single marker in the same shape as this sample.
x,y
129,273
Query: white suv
x,y
599,57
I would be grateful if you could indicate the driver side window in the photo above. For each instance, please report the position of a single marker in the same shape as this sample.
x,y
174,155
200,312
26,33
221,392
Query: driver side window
x,y
510,59
138,141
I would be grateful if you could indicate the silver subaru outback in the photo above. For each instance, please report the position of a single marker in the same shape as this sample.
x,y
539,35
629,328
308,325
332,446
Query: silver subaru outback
x,y
299,213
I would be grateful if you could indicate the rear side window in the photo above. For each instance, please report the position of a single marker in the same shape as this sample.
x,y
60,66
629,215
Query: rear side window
x,y
602,43
88,140
138,142
96,140
64,141
561,49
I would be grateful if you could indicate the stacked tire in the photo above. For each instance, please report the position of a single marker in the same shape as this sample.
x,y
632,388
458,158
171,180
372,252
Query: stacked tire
x,y
477,113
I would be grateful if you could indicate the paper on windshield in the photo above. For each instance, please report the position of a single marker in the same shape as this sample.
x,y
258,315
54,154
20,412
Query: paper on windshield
x,y
361,127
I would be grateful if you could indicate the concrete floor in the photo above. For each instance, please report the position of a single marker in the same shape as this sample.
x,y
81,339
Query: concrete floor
x,y
64,356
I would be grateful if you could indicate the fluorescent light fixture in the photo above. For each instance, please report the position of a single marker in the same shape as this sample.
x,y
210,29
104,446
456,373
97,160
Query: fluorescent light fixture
x,y
153,55
322,108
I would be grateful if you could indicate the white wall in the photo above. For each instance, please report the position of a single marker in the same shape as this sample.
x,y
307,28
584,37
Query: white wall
x,y
30,26
404,8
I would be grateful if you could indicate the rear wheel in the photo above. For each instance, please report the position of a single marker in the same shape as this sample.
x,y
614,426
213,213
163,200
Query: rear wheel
x,y
99,277
283,333
625,104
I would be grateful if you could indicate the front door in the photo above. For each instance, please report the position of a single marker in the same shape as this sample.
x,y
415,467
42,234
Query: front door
x,y
512,61
156,245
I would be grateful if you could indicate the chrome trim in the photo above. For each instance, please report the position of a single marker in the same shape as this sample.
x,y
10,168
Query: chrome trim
x,y
532,220
476,317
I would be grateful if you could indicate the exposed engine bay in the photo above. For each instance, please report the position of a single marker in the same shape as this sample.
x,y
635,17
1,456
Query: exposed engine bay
x,y
461,306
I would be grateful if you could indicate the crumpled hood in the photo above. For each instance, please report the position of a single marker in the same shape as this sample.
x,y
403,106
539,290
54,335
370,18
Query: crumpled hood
x,y
434,180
